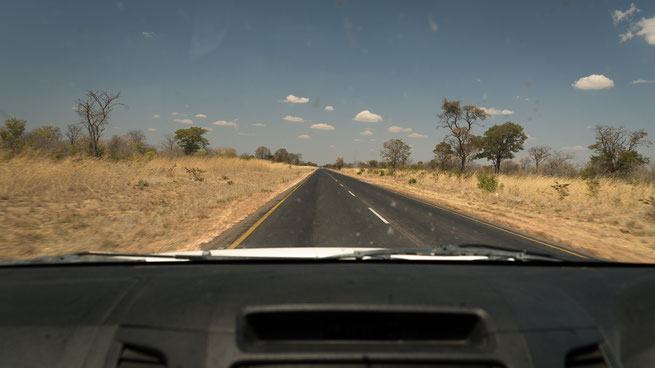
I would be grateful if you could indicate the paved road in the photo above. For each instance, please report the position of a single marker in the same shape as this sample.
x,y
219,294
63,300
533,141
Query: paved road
x,y
330,209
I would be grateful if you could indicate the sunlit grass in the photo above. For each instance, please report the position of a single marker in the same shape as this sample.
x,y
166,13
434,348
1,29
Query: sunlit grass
x,y
52,207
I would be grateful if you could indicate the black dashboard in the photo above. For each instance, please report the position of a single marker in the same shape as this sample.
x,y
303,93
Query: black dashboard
x,y
327,314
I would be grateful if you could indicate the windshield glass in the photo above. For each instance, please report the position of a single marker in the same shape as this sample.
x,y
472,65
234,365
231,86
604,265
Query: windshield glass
x,y
466,128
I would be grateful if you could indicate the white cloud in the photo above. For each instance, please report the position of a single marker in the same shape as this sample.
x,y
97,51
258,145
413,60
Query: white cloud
x,y
183,121
647,30
416,135
625,36
618,16
225,123
209,128
148,34
642,81
304,136
295,100
594,81
368,117
372,139
397,129
74,108
357,140
329,108
156,116
574,148
200,115
294,119
259,125
242,133
152,129
332,146
589,127
366,132
494,111
321,126
175,113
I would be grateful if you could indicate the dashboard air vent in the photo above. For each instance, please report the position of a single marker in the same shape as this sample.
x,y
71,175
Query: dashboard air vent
x,y
586,357
140,357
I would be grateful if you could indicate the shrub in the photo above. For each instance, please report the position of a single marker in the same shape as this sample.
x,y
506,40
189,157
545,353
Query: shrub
x,y
412,181
593,187
561,189
195,173
381,172
488,183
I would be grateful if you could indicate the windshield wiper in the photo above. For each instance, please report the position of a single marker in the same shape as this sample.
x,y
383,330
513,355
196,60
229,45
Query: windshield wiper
x,y
490,252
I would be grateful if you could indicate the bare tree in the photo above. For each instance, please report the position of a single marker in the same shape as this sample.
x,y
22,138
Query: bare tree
x,y
538,154
558,164
460,121
138,139
94,110
73,133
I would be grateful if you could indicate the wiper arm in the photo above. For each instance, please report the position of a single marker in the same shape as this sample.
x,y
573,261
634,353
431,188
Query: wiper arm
x,y
492,253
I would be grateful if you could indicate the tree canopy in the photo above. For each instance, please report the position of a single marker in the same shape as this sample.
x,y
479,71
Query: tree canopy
x,y
500,142
615,150
191,139
396,152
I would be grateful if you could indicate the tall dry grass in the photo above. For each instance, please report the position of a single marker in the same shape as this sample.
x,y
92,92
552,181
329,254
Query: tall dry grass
x,y
613,219
54,207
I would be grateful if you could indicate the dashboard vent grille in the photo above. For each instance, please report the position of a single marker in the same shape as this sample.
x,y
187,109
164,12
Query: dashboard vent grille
x,y
140,357
586,357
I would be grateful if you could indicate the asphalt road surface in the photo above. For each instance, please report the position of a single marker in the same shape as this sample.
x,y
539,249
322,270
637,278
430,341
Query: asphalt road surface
x,y
329,209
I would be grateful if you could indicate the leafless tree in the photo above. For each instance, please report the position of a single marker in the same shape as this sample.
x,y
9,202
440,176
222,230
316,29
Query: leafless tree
x,y
558,164
94,110
538,154
73,133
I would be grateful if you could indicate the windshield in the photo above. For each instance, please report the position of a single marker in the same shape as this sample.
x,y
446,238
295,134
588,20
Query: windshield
x,y
461,128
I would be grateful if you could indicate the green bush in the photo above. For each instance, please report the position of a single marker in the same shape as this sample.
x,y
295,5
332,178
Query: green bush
x,y
381,172
488,183
412,181
561,189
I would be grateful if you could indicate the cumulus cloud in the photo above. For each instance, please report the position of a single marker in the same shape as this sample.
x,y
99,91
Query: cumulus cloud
x,y
322,126
574,148
304,136
416,135
626,36
618,16
148,34
368,117
295,100
329,108
183,121
152,129
594,81
200,115
357,140
494,111
259,125
642,81
175,113
366,132
225,123
156,116
294,119
397,129
433,25
646,28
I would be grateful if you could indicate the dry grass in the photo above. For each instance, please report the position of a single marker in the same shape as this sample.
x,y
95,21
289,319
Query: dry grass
x,y
54,207
617,223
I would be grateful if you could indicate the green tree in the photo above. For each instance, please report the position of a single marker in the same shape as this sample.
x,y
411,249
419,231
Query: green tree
x,y
459,121
12,134
500,142
396,152
191,139
45,137
444,155
615,150
281,155
262,153
373,163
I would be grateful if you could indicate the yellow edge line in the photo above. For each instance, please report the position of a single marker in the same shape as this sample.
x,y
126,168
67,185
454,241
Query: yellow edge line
x,y
487,224
259,222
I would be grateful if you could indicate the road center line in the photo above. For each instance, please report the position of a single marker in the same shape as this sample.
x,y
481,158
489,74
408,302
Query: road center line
x,y
351,193
378,215
341,185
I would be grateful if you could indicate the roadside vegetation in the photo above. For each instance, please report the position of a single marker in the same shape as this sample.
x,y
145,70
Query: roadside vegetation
x,y
72,191
605,207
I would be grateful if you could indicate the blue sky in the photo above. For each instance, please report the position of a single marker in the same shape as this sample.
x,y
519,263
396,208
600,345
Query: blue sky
x,y
236,62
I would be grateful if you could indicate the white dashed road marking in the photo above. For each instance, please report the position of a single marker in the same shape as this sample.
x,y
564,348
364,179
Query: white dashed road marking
x,y
378,215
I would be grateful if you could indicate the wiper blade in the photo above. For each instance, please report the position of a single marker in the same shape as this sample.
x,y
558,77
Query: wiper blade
x,y
485,252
